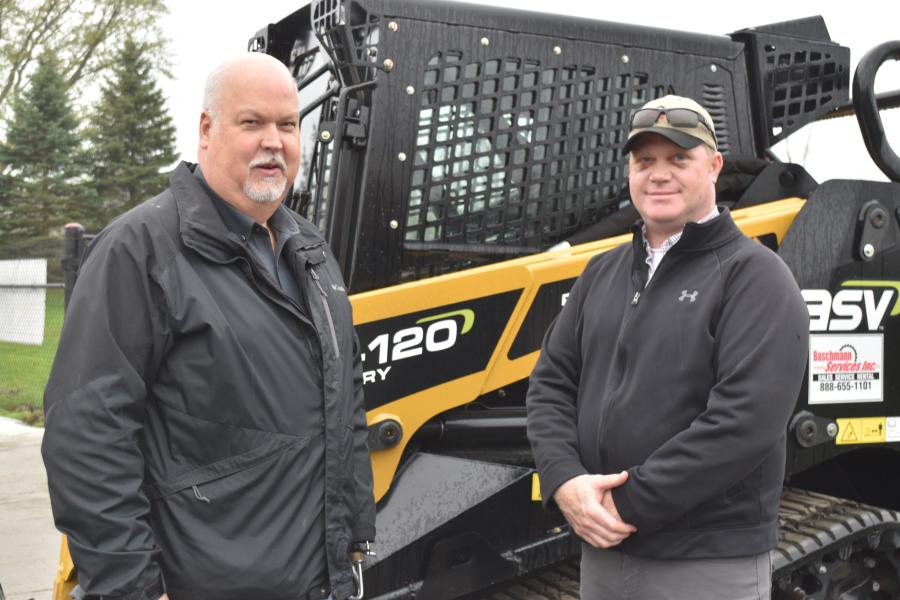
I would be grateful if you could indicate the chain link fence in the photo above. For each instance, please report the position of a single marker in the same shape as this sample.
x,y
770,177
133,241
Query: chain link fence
x,y
32,299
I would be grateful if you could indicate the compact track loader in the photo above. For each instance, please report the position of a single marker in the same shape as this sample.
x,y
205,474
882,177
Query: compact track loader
x,y
450,146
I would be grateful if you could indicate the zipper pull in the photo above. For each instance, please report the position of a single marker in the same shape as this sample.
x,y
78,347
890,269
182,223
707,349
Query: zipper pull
x,y
637,296
199,496
315,276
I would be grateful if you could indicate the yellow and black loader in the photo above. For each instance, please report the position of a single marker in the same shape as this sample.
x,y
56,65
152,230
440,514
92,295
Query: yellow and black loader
x,y
449,146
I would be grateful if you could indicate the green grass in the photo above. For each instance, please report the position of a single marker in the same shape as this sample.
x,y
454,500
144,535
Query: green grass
x,y
24,368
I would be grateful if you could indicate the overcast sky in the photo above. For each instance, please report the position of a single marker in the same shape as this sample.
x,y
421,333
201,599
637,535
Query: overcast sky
x,y
204,32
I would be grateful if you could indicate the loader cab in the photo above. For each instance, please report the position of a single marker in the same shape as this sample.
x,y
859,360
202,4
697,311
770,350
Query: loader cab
x,y
449,139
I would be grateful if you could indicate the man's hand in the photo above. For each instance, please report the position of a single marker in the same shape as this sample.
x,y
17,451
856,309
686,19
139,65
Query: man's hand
x,y
164,597
587,505
609,504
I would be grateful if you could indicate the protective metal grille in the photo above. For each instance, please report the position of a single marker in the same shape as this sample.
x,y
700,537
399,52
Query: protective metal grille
x,y
349,34
801,82
801,75
511,152
328,15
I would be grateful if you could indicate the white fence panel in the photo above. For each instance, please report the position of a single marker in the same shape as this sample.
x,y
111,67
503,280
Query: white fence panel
x,y
22,307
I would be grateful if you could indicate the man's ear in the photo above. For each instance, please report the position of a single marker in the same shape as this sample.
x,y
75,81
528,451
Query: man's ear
x,y
206,124
716,165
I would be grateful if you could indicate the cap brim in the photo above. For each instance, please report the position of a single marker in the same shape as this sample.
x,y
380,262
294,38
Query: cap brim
x,y
678,137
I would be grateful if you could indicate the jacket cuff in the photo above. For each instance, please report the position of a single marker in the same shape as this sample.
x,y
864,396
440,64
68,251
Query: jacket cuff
x,y
552,478
363,533
622,499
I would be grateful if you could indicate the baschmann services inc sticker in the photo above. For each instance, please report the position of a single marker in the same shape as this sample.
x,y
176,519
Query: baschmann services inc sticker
x,y
846,368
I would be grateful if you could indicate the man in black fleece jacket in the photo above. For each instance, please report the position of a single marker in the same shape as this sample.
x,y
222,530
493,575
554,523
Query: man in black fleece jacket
x,y
658,408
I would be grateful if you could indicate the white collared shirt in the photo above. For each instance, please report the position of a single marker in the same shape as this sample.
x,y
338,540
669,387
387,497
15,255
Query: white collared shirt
x,y
655,255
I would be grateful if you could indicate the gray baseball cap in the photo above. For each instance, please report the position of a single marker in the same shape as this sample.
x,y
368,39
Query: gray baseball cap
x,y
679,119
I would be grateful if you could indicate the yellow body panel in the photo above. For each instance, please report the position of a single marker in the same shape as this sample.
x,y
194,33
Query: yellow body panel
x,y
65,580
528,274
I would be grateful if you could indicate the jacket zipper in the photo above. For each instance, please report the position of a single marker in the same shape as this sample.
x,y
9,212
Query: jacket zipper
x,y
324,299
640,289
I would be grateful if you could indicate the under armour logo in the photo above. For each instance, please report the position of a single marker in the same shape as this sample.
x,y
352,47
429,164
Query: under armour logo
x,y
688,296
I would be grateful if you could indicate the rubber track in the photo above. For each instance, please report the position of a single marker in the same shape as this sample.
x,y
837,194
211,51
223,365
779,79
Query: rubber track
x,y
810,525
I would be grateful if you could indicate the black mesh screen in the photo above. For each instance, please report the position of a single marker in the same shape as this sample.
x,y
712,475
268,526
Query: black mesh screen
x,y
800,78
801,82
512,152
349,34
491,135
328,15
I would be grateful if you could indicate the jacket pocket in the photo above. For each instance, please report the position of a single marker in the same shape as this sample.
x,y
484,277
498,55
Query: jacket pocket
x,y
233,528
222,468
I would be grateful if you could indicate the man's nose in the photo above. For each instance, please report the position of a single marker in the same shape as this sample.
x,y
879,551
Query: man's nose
x,y
271,137
660,173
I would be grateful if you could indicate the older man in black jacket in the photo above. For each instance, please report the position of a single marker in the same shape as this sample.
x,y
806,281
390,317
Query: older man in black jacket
x,y
658,408
206,435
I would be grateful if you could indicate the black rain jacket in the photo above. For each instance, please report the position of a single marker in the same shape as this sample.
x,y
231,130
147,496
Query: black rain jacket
x,y
172,445
687,383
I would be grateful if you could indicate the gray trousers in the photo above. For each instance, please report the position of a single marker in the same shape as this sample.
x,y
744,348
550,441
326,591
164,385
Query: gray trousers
x,y
610,575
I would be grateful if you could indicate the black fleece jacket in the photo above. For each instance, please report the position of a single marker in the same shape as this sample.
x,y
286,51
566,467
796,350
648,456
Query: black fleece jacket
x,y
687,383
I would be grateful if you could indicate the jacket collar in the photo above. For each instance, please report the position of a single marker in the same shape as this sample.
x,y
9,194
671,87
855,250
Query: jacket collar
x,y
202,228
697,237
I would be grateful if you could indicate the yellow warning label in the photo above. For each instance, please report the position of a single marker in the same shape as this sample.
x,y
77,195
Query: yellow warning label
x,y
535,488
861,430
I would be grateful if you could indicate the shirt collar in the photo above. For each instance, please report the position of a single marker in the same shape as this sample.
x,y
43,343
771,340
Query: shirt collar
x,y
241,224
673,239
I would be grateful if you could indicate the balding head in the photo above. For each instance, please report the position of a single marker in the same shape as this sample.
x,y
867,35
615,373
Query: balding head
x,y
235,67
249,135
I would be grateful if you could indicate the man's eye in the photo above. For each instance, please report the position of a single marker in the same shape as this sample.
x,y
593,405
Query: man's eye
x,y
289,125
248,122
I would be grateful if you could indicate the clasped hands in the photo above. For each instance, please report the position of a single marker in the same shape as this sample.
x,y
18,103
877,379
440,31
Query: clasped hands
x,y
587,504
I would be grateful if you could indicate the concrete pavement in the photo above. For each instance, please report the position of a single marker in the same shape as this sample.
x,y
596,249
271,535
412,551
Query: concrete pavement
x,y
29,544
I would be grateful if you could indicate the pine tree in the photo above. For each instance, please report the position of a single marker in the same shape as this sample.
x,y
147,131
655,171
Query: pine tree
x,y
132,135
41,160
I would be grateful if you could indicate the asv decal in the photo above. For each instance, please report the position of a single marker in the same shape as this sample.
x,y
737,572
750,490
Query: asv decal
x,y
849,309
430,334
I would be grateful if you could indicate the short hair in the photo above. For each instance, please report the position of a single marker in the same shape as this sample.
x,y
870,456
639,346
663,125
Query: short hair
x,y
211,90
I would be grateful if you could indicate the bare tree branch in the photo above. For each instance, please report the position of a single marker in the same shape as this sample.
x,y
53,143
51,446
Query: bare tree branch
x,y
21,49
83,33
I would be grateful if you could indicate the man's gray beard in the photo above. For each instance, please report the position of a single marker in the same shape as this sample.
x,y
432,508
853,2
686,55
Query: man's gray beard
x,y
268,189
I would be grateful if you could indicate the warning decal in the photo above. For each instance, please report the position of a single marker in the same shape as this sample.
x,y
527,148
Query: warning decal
x,y
863,430
892,429
849,434
846,368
